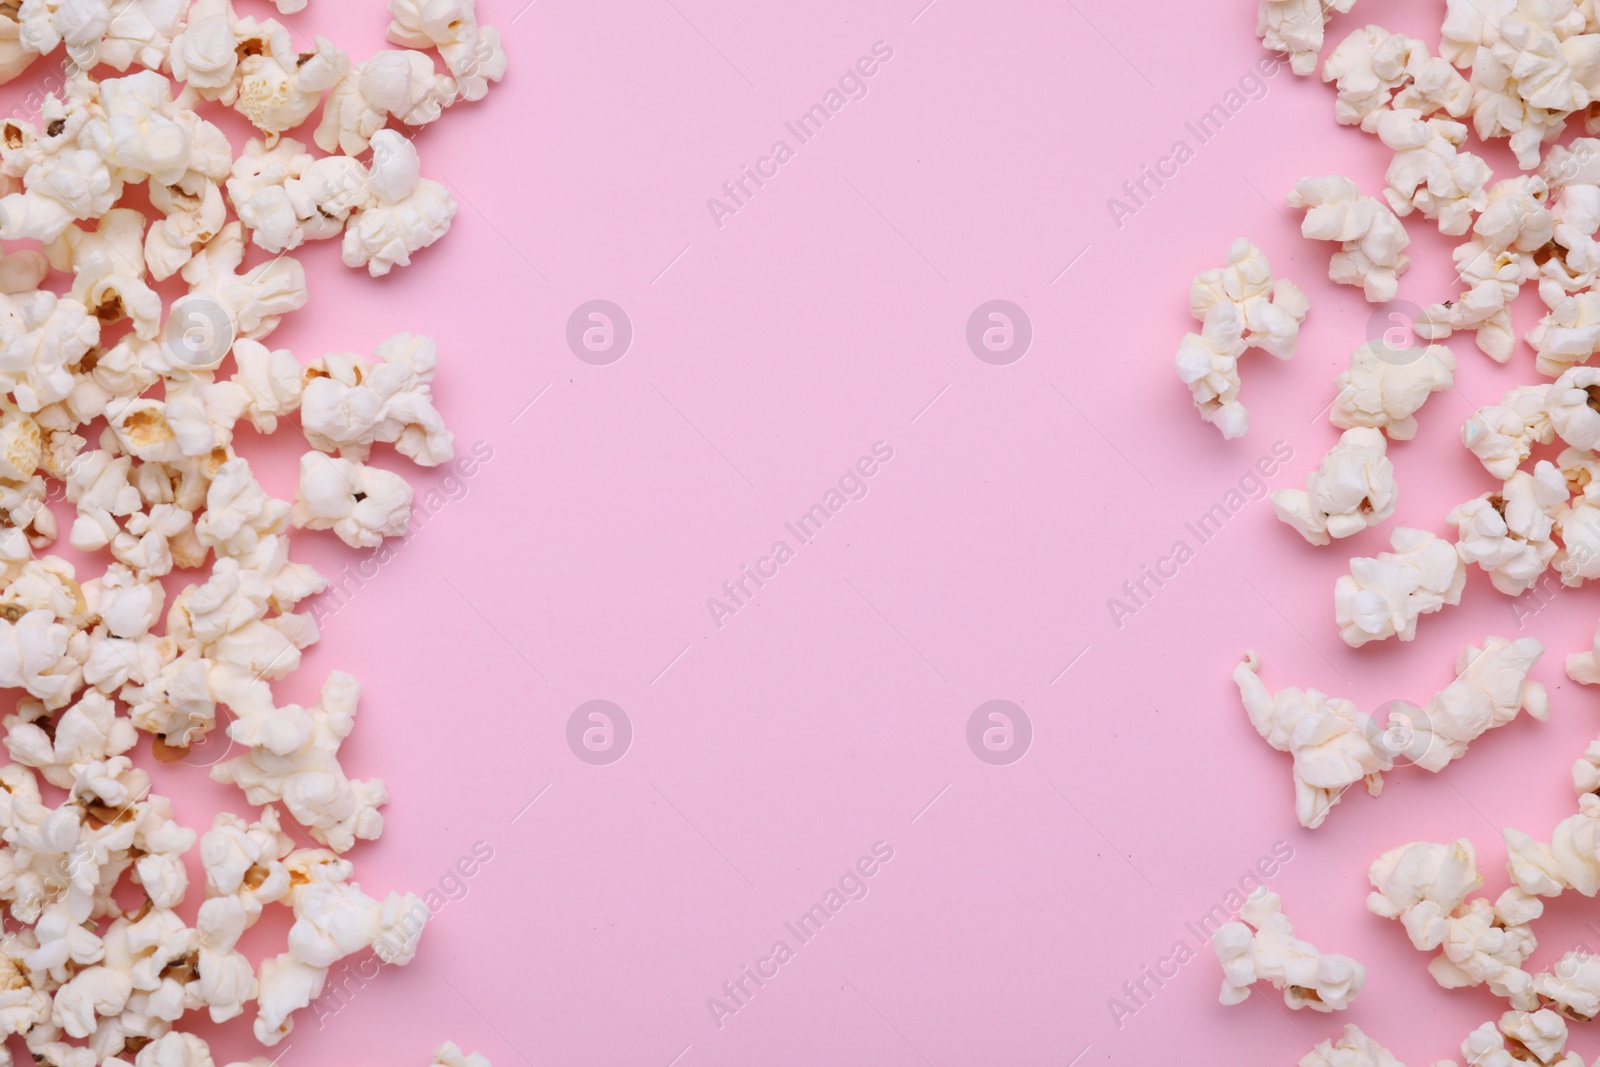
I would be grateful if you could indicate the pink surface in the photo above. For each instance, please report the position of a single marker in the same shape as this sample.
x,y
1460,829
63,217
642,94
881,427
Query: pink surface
x,y
773,747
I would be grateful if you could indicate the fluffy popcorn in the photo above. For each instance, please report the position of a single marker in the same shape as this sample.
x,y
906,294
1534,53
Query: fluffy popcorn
x,y
1240,307
108,270
449,1054
403,212
471,52
1426,886
1490,689
1353,1049
1384,389
1383,596
1351,489
350,403
361,504
402,84
1503,436
1296,27
1373,240
1429,172
292,757
1521,1037
253,302
1371,63
1510,533
1261,946
1332,751
1573,405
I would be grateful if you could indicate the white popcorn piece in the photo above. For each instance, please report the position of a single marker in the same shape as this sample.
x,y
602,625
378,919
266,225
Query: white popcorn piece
x,y
254,302
1426,886
1384,389
1383,596
361,504
1353,1049
1241,307
1261,947
1372,239
1351,489
404,212
292,757
1573,405
1326,736
1510,533
1521,1037
1490,689
1296,27
1503,436
449,1054
402,84
471,52
1429,172
350,403
108,269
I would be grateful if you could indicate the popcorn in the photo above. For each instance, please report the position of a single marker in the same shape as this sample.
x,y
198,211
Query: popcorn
x,y
361,504
1429,172
1384,390
1261,946
1373,239
398,83
450,1055
1351,489
1426,887
1509,533
1383,597
293,757
1490,688
404,211
119,395
1240,307
1541,1035
1503,436
1332,750
1354,1049
1296,27
471,52
1573,405
351,403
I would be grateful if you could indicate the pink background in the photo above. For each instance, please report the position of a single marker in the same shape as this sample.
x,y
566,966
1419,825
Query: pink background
x,y
768,354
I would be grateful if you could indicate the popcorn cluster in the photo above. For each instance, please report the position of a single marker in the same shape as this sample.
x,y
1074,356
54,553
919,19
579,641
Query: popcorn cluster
x,y
1335,746
125,407
1513,69
1262,947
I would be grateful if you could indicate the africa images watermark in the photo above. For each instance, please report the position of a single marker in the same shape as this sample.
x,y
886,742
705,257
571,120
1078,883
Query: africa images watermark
x,y
1139,591
852,85
738,592
1152,178
851,886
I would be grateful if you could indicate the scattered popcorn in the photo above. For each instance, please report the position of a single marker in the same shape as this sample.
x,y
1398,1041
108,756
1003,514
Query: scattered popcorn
x,y
1296,27
1383,597
1510,533
1354,1049
119,405
1373,239
1426,887
1490,688
450,1055
1384,389
1240,307
1351,489
1503,436
1325,735
1429,173
1261,946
